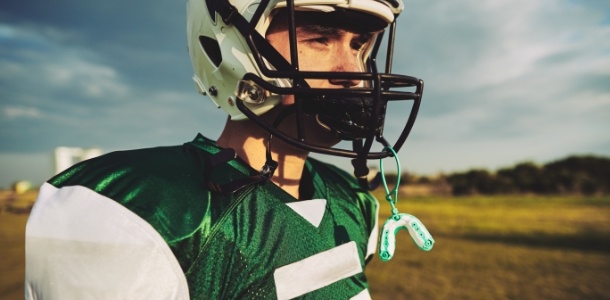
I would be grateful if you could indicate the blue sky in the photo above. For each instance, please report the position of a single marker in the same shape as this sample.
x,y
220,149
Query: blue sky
x,y
506,81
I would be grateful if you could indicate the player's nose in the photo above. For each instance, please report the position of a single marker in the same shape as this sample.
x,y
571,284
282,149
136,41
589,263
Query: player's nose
x,y
346,61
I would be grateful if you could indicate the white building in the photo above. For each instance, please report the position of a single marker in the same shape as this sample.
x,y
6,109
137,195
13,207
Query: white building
x,y
65,157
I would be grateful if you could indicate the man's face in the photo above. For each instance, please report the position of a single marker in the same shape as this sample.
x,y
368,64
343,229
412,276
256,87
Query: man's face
x,y
322,48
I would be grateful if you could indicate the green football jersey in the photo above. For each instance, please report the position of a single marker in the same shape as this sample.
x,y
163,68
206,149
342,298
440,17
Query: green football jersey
x,y
146,224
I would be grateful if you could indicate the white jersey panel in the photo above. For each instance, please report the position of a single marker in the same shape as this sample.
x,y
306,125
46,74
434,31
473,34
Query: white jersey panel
x,y
364,295
310,210
317,271
82,245
374,236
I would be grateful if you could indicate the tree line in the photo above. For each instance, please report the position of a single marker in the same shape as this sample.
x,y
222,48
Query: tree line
x,y
584,175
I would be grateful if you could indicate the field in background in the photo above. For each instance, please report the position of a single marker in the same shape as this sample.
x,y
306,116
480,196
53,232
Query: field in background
x,y
12,252
508,247
502,247
14,210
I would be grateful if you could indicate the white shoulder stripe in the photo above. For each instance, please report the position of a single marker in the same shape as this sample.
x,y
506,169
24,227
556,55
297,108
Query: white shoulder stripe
x,y
82,245
364,295
310,210
317,271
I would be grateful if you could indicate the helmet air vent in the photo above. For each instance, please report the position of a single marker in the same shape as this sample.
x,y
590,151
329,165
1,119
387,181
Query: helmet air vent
x,y
211,10
211,48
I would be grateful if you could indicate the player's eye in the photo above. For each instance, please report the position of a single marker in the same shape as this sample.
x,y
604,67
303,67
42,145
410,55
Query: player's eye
x,y
361,41
357,45
318,40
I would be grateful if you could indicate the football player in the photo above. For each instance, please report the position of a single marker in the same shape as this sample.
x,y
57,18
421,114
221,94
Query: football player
x,y
250,215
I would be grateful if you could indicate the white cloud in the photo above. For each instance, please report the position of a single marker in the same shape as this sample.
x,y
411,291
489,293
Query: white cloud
x,y
39,63
21,112
506,81
90,79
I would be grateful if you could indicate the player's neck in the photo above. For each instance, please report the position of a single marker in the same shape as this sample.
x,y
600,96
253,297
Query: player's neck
x,y
250,144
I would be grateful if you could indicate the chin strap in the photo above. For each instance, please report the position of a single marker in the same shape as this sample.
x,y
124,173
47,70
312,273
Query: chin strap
x,y
227,155
263,176
361,171
270,164
398,221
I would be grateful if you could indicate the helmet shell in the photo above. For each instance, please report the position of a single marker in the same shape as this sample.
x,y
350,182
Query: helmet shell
x,y
221,57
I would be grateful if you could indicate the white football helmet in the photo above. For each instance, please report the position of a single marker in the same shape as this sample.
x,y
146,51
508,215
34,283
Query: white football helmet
x,y
245,76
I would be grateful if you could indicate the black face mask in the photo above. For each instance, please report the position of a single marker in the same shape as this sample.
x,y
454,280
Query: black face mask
x,y
349,118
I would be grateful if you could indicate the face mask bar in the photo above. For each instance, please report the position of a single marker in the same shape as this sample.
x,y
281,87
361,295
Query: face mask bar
x,y
383,88
312,102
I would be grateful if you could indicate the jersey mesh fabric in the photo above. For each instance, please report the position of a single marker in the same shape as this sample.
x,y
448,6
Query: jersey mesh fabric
x,y
230,245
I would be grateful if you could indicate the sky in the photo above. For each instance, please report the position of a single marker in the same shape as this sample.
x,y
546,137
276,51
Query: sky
x,y
505,82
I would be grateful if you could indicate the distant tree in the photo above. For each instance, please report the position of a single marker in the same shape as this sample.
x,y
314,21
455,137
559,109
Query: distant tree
x,y
460,185
391,178
424,180
579,174
407,178
504,183
471,182
524,177
586,175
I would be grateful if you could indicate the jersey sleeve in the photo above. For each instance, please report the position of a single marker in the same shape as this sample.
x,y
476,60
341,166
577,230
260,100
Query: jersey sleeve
x,y
83,245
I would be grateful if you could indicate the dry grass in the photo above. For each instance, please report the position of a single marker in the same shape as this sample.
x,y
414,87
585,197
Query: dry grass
x,y
501,248
12,252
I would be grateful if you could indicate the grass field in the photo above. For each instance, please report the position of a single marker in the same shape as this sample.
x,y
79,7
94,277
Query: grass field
x,y
509,247
12,252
